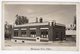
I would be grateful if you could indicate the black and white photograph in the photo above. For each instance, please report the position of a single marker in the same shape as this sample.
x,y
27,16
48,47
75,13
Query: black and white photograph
x,y
39,26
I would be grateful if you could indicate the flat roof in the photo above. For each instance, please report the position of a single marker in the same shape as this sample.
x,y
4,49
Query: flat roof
x,y
37,24
32,24
60,24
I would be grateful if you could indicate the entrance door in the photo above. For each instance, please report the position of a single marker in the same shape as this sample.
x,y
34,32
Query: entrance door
x,y
58,34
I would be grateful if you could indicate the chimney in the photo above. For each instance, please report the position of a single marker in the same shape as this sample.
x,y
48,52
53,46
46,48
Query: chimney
x,y
36,20
53,22
41,20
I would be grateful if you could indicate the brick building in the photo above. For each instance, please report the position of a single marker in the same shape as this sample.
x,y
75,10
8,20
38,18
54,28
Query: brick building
x,y
39,32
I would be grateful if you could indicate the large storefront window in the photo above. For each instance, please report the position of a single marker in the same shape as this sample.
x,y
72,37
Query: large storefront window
x,y
44,33
23,33
32,33
15,32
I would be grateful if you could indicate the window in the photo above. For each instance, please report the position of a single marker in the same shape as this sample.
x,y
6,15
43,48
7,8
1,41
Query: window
x,y
44,33
15,32
23,33
32,33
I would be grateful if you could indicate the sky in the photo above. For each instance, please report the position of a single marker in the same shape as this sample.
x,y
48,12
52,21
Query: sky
x,y
63,14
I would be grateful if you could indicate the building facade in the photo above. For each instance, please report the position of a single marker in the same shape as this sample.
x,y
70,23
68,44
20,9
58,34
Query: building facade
x,y
39,32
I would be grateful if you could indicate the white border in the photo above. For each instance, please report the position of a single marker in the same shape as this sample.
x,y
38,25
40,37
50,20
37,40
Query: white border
x,y
49,3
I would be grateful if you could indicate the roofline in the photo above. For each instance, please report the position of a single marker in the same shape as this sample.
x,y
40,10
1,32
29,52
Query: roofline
x,y
32,24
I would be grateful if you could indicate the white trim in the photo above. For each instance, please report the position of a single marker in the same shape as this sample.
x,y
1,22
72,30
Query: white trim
x,y
25,38
44,28
32,24
50,41
23,28
44,38
16,29
32,28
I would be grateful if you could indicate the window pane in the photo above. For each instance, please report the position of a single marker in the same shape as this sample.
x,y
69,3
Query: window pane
x,y
15,32
23,33
44,33
32,33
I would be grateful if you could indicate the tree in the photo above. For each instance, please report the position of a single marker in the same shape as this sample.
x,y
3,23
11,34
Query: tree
x,y
75,20
8,32
41,20
21,20
74,23
73,26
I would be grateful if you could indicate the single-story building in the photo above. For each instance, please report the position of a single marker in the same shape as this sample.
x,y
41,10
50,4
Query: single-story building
x,y
39,32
